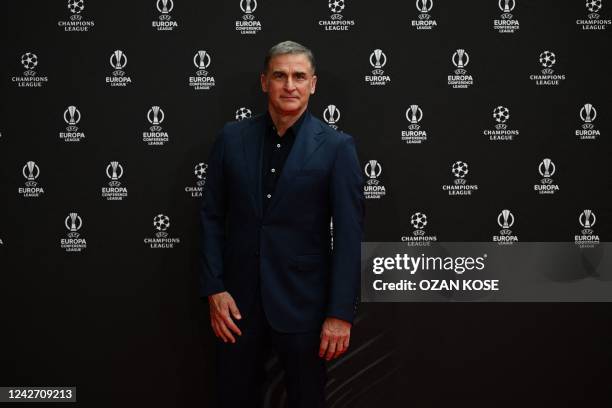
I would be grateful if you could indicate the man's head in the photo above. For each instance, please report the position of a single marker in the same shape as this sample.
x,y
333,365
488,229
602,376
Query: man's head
x,y
288,77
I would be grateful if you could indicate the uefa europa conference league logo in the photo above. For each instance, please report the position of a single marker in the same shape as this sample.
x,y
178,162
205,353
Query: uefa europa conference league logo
x,y
460,186
378,60
587,114
461,79
76,21
72,116
202,81
424,21
594,21
156,136
373,188
547,169
30,172
75,242
161,223
414,134
200,174
336,21
505,220
501,114
505,23
418,220
118,61
249,24
29,79
548,78
164,22
115,191
587,237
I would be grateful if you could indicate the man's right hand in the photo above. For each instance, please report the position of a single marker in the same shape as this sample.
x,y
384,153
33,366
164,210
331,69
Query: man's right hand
x,y
222,308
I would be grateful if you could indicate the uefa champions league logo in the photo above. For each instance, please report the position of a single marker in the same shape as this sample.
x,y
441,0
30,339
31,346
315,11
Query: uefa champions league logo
x,y
202,81
30,172
199,171
459,170
76,21
161,223
336,7
29,61
337,22
594,20
243,113
501,115
587,237
548,59
418,221
164,22
373,188
331,115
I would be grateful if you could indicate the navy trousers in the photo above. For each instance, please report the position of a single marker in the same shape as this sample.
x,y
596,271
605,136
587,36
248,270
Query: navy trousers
x,y
240,366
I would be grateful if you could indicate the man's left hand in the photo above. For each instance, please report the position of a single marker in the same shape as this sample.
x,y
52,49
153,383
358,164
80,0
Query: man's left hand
x,y
335,335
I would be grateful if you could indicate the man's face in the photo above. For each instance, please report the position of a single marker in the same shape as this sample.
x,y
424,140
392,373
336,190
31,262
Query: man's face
x,y
289,82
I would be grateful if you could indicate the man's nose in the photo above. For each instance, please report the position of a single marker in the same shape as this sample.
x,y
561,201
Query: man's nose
x,y
289,84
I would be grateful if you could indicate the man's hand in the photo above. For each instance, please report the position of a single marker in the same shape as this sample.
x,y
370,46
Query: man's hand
x,y
221,305
335,335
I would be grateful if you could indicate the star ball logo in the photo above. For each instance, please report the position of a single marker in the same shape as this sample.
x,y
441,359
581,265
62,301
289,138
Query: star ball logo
x,y
249,24
460,170
243,113
29,79
76,22
156,136
336,21
424,20
414,134
115,191
547,59
594,21
200,174
547,169
461,79
331,115
75,242
505,220
501,115
118,61
418,220
587,114
31,172
161,224
373,188
506,23
587,237
378,59
202,81
164,21
72,116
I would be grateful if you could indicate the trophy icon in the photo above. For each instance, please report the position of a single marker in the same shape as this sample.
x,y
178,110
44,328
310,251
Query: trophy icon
x,y
118,61
587,220
460,60
155,116
248,8
506,6
424,6
588,113
114,171
378,59
164,7
373,170
72,116
505,220
201,60
547,170
30,172
414,114
73,223
331,116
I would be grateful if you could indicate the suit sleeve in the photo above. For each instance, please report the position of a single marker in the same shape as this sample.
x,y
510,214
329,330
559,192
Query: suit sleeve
x,y
212,222
348,211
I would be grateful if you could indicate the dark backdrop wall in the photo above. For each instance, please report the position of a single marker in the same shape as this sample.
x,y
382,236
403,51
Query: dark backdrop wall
x,y
122,320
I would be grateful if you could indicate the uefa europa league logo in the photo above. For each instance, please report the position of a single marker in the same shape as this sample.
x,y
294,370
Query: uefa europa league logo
x,y
588,113
73,223
505,220
372,170
414,114
164,7
201,60
155,116
114,171
506,6
72,116
248,7
331,114
587,220
424,6
460,59
547,170
378,59
118,61
30,172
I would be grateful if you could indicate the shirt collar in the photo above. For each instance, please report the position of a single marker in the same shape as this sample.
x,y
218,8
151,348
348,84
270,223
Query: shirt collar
x,y
294,129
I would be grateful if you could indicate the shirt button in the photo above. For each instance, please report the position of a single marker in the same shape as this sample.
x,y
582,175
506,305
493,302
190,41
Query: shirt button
x,y
273,170
278,145
269,195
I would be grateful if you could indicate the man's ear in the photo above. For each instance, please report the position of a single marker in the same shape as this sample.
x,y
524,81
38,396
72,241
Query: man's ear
x,y
264,82
314,85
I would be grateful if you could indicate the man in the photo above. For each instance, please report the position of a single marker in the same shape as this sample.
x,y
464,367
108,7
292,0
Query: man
x,y
270,276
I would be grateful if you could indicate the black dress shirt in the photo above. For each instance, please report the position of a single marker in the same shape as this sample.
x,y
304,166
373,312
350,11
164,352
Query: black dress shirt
x,y
275,152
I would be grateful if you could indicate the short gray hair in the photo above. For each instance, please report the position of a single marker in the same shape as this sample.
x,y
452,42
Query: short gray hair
x,y
288,47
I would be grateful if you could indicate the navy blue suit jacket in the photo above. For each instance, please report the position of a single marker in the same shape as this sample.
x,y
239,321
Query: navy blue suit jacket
x,y
286,250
